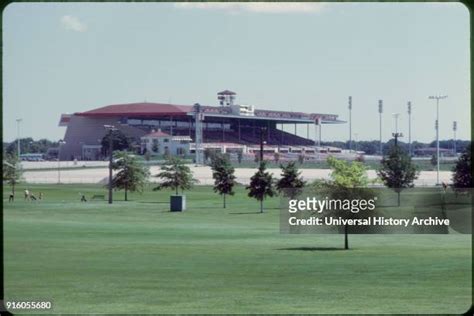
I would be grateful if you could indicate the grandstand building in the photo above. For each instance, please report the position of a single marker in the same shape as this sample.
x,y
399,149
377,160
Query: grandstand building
x,y
228,127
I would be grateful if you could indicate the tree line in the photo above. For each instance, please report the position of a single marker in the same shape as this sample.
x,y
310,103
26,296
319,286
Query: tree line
x,y
29,145
373,147
124,143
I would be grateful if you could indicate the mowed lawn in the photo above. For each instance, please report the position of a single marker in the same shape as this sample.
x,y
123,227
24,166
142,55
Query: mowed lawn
x,y
136,257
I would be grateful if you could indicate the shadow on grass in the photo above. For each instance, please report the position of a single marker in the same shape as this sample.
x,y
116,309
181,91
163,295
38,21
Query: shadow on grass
x,y
154,202
208,207
242,213
313,249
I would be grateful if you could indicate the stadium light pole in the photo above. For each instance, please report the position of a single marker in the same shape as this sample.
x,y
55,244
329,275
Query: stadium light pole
x,y
380,125
111,129
396,134
18,121
350,123
396,116
60,143
455,128
437,98
409,128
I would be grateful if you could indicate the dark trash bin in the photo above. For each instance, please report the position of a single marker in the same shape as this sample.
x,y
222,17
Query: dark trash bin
x,y
177,203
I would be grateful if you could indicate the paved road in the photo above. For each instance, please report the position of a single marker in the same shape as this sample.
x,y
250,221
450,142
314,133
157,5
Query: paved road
x,y
204,174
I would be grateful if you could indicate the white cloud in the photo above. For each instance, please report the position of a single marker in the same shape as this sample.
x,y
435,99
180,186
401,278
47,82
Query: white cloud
x,y
257,7
72,23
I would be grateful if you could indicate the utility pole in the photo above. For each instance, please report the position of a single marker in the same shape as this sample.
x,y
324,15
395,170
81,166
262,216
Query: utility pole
x,y
60,143
262,130
18,121
455,128
409,128
437,98
350,123
111,129
380,125
198,134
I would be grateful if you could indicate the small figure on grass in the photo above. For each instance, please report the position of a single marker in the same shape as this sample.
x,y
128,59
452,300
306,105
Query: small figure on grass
x,y
83,197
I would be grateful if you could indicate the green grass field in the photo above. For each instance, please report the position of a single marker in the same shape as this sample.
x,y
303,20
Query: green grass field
x,y
136,257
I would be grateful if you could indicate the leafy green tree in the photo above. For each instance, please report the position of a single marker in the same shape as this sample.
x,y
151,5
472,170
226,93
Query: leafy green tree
x,y
462,172
348,175
131,176
223,175
397,170
12,171
175,175
348,181
120,141
29,145
261,185
291,183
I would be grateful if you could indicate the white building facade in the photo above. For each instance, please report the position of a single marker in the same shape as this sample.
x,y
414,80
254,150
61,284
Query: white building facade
x,y
160,143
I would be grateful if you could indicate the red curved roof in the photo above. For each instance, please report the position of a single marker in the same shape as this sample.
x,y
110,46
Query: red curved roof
x,y
139,109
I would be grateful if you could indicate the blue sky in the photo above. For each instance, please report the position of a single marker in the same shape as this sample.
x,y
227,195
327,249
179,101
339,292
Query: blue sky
x,y
66,58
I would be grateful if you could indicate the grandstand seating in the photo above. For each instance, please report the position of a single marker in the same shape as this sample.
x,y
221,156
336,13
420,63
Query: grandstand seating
x,y
248,137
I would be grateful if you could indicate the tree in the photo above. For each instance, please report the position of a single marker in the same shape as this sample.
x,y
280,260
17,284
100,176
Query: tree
x,y
348,181
291,183
349,175
120,141
261,185
131,176
223,175
397,170
12,171
29,145
462,172
175,175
